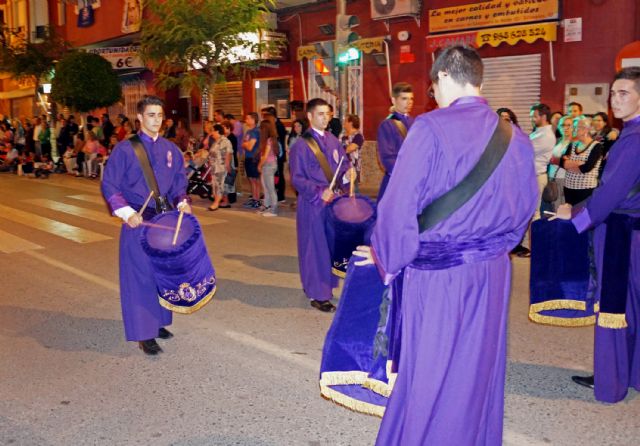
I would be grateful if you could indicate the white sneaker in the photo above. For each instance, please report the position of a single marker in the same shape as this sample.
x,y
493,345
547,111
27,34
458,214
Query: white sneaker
x,y
269,214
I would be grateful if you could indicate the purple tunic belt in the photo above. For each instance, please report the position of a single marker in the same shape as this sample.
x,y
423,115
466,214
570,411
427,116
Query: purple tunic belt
x,y
443,255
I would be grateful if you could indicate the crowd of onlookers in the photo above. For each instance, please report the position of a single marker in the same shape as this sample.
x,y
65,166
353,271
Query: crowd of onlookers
x,y
570,154
260,144
26,145
570,150
263,144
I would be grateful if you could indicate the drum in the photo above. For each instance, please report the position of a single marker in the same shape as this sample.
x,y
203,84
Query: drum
x,y
183,272
561,290
350,222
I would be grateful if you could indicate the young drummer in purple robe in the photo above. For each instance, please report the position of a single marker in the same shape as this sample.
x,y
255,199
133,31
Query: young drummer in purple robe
x,y
125,189
310,181
450,383
391,134
616,356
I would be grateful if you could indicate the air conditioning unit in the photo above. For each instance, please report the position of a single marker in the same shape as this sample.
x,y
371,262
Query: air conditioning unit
x,y
387,9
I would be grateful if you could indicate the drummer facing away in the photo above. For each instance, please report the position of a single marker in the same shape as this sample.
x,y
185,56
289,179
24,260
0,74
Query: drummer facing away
x,y
125,189
451,373
313,185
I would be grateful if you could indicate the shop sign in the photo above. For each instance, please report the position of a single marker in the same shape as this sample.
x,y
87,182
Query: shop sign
x,y
369,45
491,13
495,36
121,57
307,52
573,30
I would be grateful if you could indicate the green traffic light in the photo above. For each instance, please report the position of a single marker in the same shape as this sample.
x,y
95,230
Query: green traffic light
x,y
349,55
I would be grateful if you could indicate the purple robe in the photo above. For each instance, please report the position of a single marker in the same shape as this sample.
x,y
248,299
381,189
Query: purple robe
x,y
616,356
456,285
124,185
308,179
389,142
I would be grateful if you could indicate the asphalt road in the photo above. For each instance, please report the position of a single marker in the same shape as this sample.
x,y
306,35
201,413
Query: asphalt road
x,y
243,370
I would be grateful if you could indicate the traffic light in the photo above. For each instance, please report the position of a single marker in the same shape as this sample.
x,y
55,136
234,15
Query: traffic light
x,y
345,36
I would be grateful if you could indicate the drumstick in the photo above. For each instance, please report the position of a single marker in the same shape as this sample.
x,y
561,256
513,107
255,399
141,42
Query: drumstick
x,y
144,206
335,176
352,184
153,225
175,235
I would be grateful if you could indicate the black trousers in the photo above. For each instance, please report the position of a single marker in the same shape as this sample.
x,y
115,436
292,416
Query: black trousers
x,y
281,186
575,196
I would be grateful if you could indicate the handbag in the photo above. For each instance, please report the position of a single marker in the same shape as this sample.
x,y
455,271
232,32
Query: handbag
x,y
230,179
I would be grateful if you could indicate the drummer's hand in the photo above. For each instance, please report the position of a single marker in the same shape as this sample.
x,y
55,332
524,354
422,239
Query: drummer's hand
x,y
563,212
365,253
185,207
134,221
327,195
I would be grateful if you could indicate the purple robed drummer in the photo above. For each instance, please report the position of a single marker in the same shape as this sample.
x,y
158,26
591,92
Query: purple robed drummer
x,y
125,189
450,384
616,356
309,179
390,134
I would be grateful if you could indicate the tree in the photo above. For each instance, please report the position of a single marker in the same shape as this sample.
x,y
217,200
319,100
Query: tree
x,y
194,43
30,60
85,81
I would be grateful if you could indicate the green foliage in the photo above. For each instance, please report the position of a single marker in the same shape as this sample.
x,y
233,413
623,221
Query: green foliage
x,y
195,38
25,59
85,81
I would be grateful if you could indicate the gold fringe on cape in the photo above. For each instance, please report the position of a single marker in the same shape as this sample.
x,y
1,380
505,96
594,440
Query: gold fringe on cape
x,y
188,310
612,320
560,304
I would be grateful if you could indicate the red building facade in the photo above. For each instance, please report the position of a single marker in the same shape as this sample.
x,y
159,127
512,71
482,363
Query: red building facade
x,y
607,26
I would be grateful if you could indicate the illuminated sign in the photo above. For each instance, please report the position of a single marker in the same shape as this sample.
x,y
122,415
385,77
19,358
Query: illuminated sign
x,y
491,14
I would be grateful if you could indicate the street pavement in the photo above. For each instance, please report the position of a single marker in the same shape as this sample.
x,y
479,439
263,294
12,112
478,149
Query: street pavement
x,y
241,371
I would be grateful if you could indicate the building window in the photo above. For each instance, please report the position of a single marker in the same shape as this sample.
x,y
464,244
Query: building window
x,y
276,93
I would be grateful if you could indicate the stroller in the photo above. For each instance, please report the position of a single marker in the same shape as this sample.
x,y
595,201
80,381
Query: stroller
x,y
200,182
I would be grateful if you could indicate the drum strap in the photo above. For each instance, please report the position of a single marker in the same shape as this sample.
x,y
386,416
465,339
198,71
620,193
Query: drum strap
x,y
149,177
400,126
403,134
324,164
452,200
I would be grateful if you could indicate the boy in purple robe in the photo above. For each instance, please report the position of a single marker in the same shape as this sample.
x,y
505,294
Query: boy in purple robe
x,y
393,130
125,189
455,291
616,356
313,186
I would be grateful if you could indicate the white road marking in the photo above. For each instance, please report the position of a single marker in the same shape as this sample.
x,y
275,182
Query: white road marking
x,y
273,350
90,198
10,243
203,219
74,270
53,227
89,214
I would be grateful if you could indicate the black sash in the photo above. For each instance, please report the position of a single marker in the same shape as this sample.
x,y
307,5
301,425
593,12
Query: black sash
x,y
445,205
615,269
162,204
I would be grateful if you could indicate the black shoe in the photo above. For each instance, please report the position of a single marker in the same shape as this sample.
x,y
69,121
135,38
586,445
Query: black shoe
x,y
323,305
150,347
586,381
163,333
